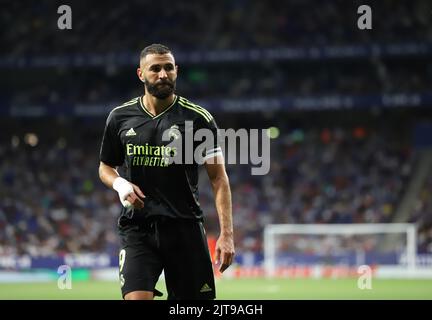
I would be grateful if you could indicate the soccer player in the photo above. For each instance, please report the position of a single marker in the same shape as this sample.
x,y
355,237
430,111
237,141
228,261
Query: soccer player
x,y
161,222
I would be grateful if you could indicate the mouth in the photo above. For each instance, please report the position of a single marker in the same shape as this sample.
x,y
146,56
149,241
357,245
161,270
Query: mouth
x,y
164,84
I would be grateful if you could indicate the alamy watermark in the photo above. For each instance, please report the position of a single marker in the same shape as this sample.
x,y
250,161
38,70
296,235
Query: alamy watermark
x,y
64,280
365,277
65,20
185,145
365,20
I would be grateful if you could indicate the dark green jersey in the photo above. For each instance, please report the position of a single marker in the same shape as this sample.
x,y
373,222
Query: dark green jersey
x,y
133,139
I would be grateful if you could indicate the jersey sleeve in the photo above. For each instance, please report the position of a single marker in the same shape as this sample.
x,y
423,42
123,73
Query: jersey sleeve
x,y
111,151
211,148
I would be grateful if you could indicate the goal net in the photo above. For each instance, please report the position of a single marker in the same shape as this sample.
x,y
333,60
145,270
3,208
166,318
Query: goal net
x,y
329,250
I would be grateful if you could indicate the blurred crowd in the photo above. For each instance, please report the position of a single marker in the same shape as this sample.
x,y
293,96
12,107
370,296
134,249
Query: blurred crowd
x,y
53,201
269,79
422,215
322,176
31,28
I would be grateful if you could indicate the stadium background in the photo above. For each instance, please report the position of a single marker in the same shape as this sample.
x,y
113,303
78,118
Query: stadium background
x,y
349,111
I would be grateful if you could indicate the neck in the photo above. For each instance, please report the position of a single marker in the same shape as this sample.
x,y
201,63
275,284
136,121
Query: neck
x,y
155,105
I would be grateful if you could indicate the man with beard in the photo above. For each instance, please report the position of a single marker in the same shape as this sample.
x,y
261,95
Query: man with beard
x,y
161,222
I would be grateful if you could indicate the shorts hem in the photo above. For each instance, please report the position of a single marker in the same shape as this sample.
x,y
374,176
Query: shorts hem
x,y
125,292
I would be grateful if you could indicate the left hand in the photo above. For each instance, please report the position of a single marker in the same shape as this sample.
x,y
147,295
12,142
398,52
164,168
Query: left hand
x,y
224,254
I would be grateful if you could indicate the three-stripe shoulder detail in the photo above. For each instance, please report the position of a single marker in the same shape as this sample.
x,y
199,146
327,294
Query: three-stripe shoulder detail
x,y
198,109
128,103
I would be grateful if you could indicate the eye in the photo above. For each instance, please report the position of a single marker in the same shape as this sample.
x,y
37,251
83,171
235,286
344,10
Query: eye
x,y
169,67
155,68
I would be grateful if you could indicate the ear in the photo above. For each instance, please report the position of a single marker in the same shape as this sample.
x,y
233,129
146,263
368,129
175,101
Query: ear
x,y
140,74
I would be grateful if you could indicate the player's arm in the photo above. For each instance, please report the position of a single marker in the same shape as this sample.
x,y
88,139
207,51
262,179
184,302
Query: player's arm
x,y
111,156
222,192
129,193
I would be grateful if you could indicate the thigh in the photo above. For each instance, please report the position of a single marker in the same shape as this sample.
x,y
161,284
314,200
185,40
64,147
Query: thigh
x,y
139,263
188,267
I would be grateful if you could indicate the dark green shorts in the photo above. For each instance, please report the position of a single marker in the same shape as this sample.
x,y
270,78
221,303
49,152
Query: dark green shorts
x,y
178,247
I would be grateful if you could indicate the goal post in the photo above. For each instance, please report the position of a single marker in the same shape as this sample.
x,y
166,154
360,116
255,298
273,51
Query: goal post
x,y
274,232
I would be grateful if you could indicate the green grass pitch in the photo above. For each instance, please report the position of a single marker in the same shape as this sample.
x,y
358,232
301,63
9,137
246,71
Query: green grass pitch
x,y
237,289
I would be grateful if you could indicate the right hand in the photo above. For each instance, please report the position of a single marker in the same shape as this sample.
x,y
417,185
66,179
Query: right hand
x,y
135,198
130,194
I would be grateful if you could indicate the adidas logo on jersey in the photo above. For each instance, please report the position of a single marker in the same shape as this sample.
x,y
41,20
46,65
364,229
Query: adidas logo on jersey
x,y
206,288
131,132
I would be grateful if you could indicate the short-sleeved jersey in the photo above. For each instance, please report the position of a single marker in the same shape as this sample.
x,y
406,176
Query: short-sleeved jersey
x,y
146,146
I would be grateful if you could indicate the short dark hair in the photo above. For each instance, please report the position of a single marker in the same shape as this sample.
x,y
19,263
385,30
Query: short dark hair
x,y
155,48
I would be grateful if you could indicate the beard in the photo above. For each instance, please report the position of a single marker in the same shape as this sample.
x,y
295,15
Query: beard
x,y
161,89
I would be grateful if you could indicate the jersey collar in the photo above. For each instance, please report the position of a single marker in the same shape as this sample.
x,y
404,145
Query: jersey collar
x,y
143,107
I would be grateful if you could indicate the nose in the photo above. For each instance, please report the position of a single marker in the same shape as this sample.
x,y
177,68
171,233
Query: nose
x,y
162,74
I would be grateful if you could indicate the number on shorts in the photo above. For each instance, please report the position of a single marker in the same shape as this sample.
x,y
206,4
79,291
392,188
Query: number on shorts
x,y
122,256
